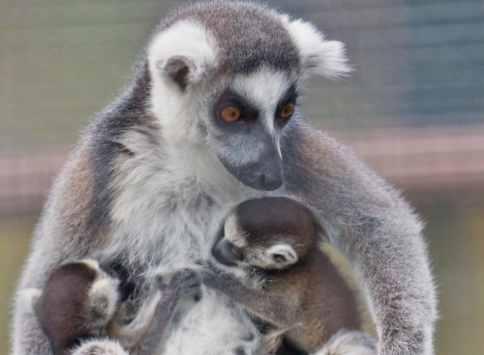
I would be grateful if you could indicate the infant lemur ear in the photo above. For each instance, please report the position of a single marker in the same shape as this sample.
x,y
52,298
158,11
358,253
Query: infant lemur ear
x,y
182,54
318,55
282,255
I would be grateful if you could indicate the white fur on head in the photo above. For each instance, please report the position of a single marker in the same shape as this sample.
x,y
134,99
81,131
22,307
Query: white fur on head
x,y
184,49
263,88
318,55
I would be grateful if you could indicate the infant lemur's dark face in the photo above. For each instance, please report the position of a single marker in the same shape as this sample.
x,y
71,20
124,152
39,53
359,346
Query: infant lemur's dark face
x,y
267,233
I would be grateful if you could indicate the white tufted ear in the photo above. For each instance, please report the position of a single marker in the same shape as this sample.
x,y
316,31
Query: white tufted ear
x,y
182,54
282,255
318,55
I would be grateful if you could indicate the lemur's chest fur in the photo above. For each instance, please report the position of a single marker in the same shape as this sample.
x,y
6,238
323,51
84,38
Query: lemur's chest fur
x,y
164,217
165,205
165,230
170,227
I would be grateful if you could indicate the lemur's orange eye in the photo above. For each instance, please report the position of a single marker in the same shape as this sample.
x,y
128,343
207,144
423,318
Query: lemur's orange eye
x,y
287,111
230,114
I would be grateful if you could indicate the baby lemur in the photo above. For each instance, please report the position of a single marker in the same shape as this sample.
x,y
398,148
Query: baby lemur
x,y
268,259
82,300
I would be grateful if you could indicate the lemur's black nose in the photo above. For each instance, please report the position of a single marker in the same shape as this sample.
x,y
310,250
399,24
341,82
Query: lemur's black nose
x,y
227,253
269,172
270,181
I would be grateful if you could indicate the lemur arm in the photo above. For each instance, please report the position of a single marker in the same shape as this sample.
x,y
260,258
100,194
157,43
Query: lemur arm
x,y
131,334
270,308
157,314
377,231
148,334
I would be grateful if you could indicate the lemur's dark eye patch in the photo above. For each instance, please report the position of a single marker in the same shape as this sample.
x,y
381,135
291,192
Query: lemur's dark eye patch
x,y
287,105
291,95
231,108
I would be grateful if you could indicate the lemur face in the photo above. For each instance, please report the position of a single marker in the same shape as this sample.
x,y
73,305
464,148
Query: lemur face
x,y
253,112
231,72
269,233
276,255
78,302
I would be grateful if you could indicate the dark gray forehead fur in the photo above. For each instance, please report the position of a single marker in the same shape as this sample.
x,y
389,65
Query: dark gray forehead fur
x,y
249,35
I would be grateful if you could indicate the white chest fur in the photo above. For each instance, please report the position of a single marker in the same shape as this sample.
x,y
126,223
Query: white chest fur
x,y
166,227
214,326
163,229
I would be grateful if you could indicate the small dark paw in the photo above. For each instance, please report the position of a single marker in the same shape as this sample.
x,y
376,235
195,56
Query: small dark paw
x,y
240,350
188,284
200,262
249,337
163,281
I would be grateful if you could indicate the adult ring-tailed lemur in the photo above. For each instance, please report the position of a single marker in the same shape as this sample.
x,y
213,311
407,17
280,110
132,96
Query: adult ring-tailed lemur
x,y
211,118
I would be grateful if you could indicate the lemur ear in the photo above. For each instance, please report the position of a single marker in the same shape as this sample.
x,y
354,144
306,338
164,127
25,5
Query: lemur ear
x,y
282,255
180,69
318,55
182,54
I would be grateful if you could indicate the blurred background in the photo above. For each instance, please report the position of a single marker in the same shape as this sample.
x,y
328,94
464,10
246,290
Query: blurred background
x,y
414,110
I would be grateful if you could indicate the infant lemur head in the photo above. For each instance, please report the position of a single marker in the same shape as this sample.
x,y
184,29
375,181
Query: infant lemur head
x,y
268,233
78,301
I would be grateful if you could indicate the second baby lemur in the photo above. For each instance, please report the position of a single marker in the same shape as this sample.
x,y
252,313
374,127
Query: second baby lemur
x,y
84,300
267,258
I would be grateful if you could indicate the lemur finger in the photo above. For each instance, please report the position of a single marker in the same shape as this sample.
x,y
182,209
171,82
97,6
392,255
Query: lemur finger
x,y
188,284
132,333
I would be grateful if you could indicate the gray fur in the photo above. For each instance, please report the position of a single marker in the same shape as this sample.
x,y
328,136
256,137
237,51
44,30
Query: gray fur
x,y
126,193
378,232
245,45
